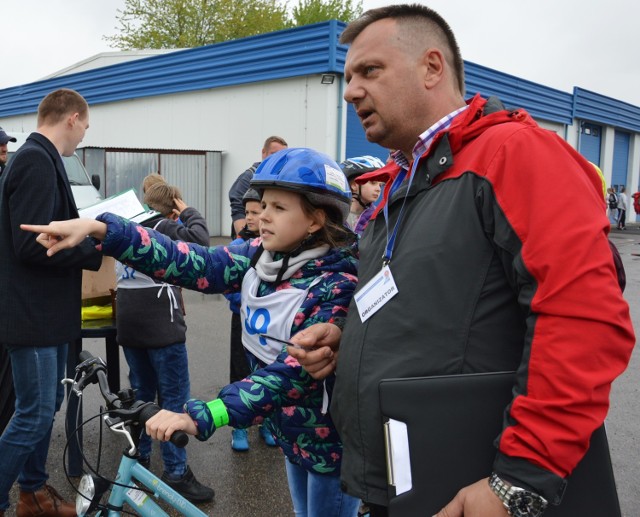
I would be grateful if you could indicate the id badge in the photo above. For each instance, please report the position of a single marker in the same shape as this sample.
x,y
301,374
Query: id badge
x,y
375,293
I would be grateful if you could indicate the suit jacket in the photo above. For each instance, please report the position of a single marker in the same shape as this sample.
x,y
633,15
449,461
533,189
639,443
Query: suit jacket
x,y
40,296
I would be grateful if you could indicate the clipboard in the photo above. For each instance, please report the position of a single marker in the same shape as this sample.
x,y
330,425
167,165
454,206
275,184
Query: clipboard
x,y
451,424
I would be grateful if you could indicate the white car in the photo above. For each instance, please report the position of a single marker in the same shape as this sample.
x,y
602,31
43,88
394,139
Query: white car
x,y
85,189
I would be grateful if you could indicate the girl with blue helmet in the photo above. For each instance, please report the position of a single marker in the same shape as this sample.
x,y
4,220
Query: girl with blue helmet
x,y
300,271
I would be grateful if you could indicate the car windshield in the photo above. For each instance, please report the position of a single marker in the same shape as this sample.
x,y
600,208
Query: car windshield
x,y
75,171
74,168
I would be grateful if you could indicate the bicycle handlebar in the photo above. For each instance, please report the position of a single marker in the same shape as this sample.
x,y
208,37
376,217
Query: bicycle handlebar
x,y
93,369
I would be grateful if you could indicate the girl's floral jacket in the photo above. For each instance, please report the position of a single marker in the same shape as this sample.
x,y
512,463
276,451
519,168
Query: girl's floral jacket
x,y
282,391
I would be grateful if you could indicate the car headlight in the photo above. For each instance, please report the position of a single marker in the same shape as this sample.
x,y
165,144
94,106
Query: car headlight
x,y
86,493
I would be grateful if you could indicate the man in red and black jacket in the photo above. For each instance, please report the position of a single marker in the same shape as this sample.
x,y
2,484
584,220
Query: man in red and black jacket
x,y
488,276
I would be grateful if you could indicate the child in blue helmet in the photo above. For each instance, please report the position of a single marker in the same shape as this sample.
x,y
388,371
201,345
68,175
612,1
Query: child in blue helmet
x,y
363,196
299,272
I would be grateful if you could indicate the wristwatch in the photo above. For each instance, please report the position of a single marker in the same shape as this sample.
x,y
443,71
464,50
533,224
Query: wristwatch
x,y
518,501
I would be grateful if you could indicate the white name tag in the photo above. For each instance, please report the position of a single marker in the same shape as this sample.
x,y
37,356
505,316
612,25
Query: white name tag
x,y
377,291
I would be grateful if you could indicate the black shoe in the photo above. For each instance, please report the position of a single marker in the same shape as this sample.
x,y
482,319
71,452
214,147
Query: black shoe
x,y
190,488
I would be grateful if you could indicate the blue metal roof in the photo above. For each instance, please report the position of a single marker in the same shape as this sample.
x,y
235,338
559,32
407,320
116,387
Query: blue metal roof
x,y
312,49
594,107
540,101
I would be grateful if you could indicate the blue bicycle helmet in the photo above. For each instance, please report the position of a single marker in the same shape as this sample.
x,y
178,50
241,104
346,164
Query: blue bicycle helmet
x,y
309,173
354,167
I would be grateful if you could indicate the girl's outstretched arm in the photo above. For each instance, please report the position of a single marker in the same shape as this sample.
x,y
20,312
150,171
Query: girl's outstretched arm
x,y
60,235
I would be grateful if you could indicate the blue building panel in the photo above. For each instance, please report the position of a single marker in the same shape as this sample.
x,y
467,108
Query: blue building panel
x,y
540,101
620,166
313,49
605,110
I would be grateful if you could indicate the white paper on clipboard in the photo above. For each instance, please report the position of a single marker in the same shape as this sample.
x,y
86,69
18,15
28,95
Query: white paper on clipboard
x,y
398,457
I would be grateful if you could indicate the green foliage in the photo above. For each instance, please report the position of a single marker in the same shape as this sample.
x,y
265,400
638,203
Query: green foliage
x,y
313,11
167,24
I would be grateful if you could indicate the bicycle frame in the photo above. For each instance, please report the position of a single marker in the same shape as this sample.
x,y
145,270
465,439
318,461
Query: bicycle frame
x,y
134,485
140,501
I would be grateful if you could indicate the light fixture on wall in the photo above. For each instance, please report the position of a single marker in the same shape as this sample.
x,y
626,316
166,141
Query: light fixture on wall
x,y
327,79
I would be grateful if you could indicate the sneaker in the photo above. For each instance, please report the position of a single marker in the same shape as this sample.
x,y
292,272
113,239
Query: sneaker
x,y
239,440
189,487
267,436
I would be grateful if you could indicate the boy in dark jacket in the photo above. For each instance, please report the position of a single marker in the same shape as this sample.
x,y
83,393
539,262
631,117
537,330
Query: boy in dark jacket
x,y
152,333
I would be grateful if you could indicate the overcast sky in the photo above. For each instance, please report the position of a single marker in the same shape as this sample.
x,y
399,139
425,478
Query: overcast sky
x,y
558,43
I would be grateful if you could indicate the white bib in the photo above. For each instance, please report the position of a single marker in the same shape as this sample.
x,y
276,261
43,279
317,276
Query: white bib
x,y
272,314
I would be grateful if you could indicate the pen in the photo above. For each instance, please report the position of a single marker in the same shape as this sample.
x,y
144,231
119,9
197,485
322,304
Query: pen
x,y
284,342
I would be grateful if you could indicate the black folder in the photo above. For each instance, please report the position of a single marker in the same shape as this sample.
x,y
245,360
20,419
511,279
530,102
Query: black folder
x,y
452,423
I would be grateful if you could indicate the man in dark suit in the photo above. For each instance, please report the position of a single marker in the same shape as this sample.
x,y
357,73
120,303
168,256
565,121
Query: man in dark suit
x,y
41,297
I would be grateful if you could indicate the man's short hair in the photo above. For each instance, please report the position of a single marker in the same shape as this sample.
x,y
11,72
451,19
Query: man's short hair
x,y
161,197
59,104
276,139
413,18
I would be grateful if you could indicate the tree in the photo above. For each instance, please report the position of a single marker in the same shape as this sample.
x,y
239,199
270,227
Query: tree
x,y
193,23
313,11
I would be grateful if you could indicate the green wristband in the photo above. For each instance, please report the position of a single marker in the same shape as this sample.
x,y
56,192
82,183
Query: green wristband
x,y
218,412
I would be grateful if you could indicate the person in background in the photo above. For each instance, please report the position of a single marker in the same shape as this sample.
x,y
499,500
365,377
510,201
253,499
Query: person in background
x,y
612,204
152,332
364,195
271,145
4,156
238,364
301,271
623,202
489,275
40,302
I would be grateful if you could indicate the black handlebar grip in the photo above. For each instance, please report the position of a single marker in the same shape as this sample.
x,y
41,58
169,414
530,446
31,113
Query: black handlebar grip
x,y
85,355
178,438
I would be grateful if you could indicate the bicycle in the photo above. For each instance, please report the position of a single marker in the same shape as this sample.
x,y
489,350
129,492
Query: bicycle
x,y
134,484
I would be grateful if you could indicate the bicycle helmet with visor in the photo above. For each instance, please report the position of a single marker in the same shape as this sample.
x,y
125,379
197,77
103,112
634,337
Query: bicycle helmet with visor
x,y
309,173
354,167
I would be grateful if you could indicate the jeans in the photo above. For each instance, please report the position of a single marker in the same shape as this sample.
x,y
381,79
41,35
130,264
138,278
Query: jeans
x,y
318,495
24,445
165,372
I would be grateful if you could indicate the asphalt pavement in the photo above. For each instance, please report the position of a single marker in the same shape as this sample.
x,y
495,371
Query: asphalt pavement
x,y
254,483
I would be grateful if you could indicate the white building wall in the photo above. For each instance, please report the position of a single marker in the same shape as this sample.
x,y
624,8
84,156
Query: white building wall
x,y
234,120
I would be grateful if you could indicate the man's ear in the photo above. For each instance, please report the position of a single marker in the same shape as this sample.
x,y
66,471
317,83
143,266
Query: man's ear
x,y
434,66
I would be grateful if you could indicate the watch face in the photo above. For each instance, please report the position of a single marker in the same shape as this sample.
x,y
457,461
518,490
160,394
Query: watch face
x,y
526,504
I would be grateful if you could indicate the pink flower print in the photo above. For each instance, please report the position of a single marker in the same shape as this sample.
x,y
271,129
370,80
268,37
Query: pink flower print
x,y
203,283
144,236
183,247
257,420
315,310
318,262
159,273
322,432
289,410
297,274
304,453
284,285
291,361
99,246
335,456
335,291
336,308
299,318
296,449
293,394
